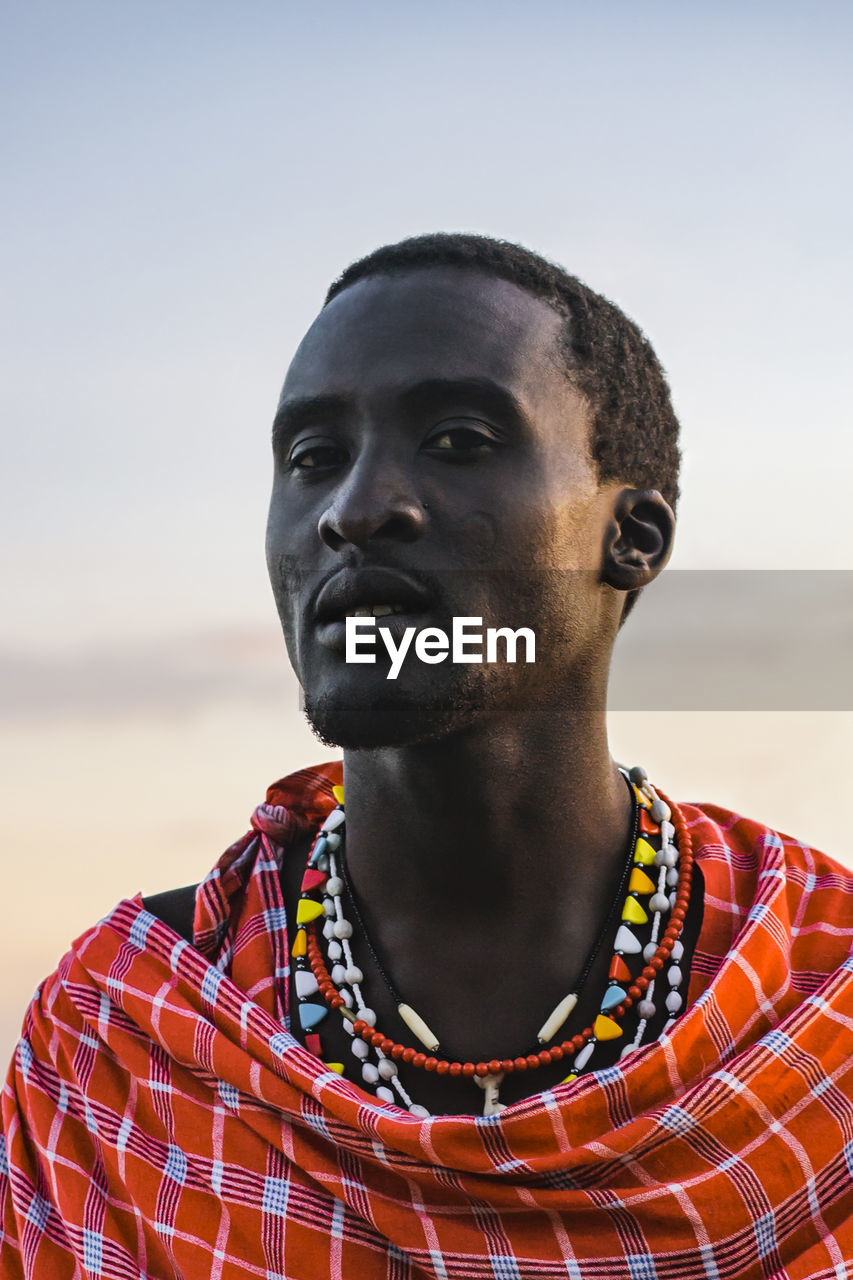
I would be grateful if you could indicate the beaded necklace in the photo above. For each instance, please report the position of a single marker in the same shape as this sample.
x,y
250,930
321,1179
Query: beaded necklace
x,y
661,843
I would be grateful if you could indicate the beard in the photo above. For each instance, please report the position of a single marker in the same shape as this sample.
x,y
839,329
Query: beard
x,y
398,717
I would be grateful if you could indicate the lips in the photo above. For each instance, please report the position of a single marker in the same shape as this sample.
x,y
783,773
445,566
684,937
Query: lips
x,y
366,591
394,598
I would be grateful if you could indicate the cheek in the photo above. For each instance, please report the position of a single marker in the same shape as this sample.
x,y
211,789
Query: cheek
x,y
478,537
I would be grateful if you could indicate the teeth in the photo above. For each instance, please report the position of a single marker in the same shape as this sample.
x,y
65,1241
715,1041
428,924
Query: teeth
x,y
375,611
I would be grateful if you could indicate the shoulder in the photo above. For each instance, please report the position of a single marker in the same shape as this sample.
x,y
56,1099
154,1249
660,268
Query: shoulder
x,y
751,870
175,907
748,846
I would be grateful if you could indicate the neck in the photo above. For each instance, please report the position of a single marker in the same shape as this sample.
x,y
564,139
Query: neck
x,y
510,837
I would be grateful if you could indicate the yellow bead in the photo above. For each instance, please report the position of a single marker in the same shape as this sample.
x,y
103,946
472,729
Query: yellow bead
x,y
642,798
643,852
633,912
300,946
307,910
606,1029
640,882
572,1076
338,793
335,1066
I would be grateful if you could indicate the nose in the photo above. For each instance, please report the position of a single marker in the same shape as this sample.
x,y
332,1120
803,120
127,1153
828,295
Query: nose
x,y
373,502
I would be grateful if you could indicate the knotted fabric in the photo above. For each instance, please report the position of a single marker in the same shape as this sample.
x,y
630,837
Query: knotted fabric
x,y
161,1121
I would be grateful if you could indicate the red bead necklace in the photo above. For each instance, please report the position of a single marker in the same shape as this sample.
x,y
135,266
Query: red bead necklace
x,y
507,1066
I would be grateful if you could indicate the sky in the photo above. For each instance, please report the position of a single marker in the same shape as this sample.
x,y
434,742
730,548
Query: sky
x,y
182,182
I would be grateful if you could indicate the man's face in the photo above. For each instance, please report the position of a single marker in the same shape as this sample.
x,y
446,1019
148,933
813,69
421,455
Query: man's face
x,y
432,457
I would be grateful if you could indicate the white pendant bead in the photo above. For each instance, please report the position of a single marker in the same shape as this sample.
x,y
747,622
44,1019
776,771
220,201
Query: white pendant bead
x,y
417,1110
341,929
677,951
658,902
335,819
626,942
672,877
667,831
553,1023
369,1073
367,1015
418,1027
646,1009
334,886
360,1048
333,841
386,1094
674,976
329,907
338,974
387,1068
346,996
583,1055
305,983
673,1002
650,950
329,929
335,949
629,1048
354,975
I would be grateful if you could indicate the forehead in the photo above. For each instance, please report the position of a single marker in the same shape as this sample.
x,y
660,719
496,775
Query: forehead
x,y
386,332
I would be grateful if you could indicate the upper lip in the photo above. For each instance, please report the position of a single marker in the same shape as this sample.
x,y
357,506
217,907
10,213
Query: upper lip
x,y
358,588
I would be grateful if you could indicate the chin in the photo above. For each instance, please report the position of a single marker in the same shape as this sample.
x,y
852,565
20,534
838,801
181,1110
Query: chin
x,y
395,718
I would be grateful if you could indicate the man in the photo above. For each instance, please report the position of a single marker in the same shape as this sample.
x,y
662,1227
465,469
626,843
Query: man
x,y
476,1003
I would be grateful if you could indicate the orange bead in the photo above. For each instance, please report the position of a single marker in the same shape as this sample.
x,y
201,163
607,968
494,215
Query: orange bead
x,y
619,971
494,1067
647,827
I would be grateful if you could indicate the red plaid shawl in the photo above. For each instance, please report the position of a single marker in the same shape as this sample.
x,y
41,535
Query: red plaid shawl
x,y
160,1120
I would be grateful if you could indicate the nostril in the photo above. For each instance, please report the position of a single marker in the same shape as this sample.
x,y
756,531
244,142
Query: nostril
x,y
400,521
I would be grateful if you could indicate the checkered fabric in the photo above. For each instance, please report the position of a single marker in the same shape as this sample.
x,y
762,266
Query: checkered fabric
x,y
160,1121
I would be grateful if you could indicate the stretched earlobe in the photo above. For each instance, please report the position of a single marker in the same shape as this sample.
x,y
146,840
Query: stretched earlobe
x,y
639,539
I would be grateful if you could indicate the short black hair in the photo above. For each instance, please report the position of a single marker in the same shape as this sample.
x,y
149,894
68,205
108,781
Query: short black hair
x,y
608,358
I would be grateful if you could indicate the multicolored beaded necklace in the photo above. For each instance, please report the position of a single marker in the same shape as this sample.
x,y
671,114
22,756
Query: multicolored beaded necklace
x,y
661,844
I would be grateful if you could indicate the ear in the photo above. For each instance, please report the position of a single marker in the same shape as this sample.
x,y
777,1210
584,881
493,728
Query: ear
x,y
638,541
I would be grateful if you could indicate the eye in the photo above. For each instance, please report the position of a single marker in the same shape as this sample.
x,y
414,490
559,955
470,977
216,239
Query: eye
x,y
315,455
461,441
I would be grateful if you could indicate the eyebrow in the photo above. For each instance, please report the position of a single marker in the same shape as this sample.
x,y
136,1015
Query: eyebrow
x,y
430,394
492,396
306,411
